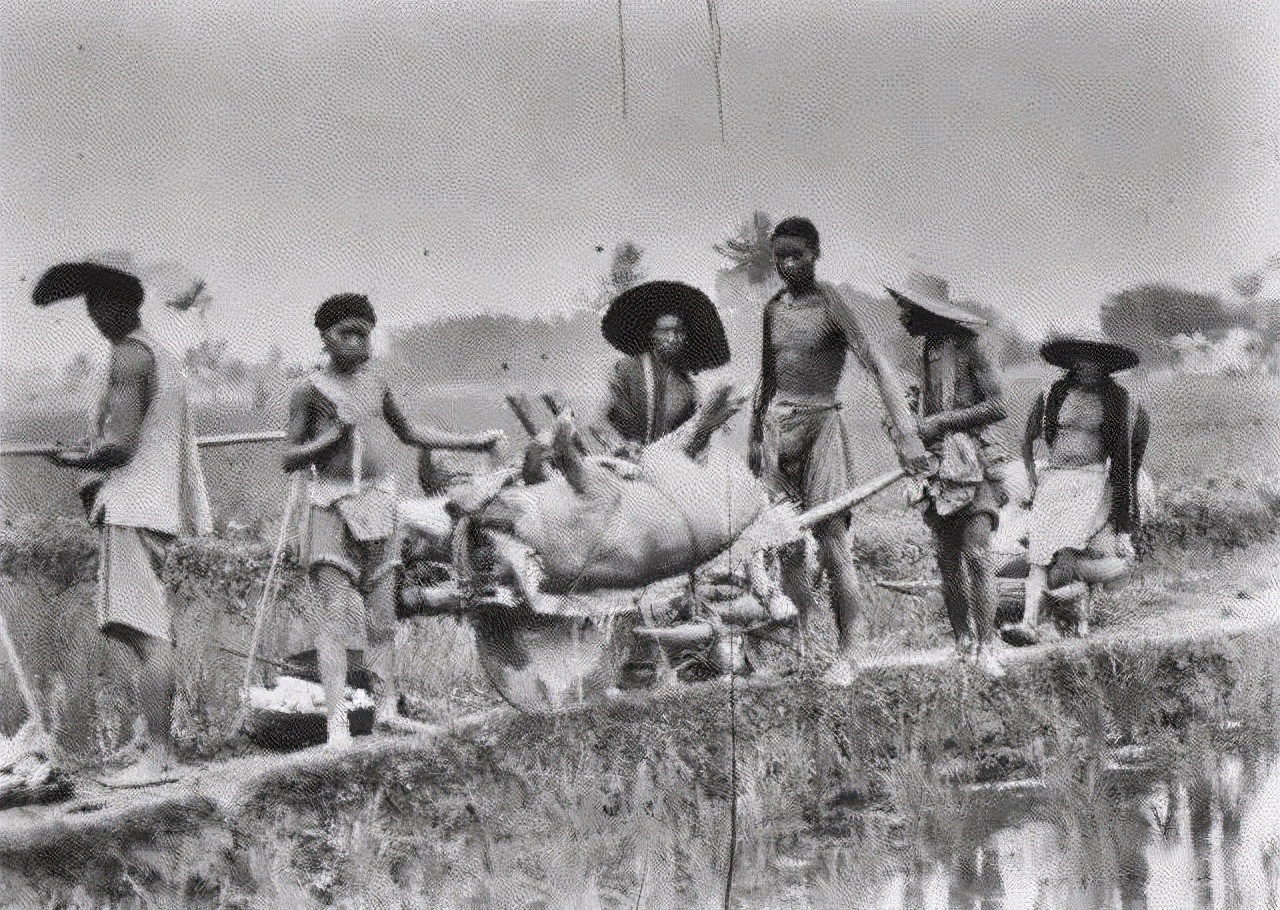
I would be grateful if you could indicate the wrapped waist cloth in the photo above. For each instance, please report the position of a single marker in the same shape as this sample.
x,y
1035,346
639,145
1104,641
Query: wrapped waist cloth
x,y
966,476
1070,509
368,509
805,451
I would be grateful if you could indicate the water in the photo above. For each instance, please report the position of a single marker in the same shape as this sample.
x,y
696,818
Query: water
x,y
1125,840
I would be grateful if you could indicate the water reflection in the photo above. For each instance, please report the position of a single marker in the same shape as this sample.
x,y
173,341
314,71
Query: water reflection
x,y
1114,840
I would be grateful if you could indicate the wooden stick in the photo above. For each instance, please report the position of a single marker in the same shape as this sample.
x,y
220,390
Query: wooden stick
x,y
849,500
24,687
204,442
235,439
296,491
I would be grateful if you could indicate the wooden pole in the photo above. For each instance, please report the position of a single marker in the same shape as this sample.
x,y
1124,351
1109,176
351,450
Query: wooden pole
x,y
849,500
520,405
204,442
24,686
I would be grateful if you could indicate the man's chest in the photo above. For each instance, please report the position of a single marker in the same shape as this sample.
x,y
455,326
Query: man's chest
x,y
802,327
948,381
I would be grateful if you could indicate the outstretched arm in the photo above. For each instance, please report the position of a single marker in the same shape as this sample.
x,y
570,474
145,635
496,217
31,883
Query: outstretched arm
x,y
129,386
904,433
429,437
990,407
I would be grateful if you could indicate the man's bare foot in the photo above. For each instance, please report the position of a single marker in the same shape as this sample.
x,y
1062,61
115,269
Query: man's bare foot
x,y
339,730
843,671
150,770
988,658
394,722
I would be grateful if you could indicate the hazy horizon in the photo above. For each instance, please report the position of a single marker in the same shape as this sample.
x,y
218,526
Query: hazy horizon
x,y
455,158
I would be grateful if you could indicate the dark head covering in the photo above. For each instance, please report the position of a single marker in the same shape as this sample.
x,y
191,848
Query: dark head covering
x,y
96,283
631,316
1066,350
932,294
344,306
796,226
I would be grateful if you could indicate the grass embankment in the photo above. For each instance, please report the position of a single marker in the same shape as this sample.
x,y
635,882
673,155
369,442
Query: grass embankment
x,y
628,803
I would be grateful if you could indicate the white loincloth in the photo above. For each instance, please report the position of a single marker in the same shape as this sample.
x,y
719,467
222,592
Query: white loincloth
x,y
1071,507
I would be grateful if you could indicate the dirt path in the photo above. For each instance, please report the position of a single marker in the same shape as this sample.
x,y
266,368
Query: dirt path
x,y
215,791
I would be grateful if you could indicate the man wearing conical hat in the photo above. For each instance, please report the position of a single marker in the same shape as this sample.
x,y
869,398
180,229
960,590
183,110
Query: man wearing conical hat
x,y
960,403
1085,500
799,442
669,332
149,490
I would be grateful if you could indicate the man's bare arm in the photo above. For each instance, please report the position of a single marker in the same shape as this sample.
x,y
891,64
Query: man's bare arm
x,y
906,438
314,429
129,385
989,409
431,438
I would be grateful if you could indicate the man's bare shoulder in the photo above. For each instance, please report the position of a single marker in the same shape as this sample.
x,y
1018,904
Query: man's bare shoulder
x,y
304,395
131,361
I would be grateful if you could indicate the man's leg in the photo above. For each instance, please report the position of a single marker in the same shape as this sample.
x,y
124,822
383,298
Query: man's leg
x,y
382,648
156,670
951,574
975,551
134,610
338,600
154,683
793,571
1037,576
846,590
978,573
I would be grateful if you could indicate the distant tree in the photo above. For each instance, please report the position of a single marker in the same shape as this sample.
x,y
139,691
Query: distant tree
x,y
750,251
1148,316
1247,285
625,269
210,362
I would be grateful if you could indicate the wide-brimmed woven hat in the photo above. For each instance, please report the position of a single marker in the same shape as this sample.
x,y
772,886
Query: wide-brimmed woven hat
x,y
1066,349
930,293
69,280
630,318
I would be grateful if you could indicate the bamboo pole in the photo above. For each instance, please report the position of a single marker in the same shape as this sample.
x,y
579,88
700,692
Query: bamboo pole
x,y
24,686
849,500
519,404
204,442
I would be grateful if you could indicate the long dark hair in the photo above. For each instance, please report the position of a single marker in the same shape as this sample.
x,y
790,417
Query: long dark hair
x,y
1116,441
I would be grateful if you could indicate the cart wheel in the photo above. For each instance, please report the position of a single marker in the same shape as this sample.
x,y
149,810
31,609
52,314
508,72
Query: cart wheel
x,y
543,664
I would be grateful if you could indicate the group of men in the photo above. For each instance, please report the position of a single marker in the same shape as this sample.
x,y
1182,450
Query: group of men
x,y
1085,507
147,487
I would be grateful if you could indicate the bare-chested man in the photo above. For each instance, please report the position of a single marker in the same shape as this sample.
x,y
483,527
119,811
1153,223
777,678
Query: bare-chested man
x,y
151,490
798,438
1085,500
341,421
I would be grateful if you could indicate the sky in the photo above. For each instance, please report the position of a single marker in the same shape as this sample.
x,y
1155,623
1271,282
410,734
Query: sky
x,y
453,157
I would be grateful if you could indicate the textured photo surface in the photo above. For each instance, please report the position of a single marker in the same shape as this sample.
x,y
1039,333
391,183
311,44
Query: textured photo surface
x,y
613,454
